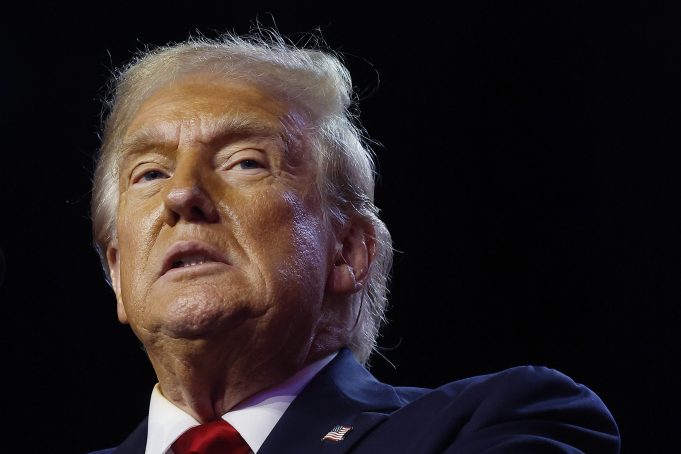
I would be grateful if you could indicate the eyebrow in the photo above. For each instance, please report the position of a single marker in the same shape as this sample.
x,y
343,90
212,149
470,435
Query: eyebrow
x,y
163,134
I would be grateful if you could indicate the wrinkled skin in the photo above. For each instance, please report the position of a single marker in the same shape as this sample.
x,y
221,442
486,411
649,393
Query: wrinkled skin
x,y
204,168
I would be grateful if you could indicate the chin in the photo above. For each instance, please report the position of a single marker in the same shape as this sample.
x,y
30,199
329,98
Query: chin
x,y
196,316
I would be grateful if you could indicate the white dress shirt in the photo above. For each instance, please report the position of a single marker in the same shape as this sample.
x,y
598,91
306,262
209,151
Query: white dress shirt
x,y
254,418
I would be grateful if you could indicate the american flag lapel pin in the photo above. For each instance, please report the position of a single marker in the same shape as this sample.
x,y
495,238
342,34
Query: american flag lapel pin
x,y
337,434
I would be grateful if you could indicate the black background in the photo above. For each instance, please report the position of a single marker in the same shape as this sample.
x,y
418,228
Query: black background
x,y
530,167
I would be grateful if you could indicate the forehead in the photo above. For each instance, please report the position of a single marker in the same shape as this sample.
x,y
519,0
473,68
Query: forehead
x,y
204,106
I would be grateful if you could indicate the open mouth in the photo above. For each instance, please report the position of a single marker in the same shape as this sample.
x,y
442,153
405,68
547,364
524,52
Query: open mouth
x,y
190,261
187,254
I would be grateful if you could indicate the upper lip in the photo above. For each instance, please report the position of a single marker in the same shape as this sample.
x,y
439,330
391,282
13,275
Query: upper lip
x,y
190,248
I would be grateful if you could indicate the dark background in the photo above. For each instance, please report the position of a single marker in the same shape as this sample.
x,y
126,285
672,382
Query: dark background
x,y
530,167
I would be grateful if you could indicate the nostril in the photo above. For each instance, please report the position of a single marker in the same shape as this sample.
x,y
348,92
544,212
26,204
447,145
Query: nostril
x,y
191,204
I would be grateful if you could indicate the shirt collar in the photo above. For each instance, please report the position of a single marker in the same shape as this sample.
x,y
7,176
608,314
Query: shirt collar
x,y
254,418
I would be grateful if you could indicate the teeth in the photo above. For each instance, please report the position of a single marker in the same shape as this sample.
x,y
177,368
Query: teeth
x,y
193,262
190,261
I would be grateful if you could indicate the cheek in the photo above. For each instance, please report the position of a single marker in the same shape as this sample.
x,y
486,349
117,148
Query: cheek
x,y
137,227
285,236
309,237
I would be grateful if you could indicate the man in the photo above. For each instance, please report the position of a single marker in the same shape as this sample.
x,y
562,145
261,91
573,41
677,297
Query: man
x,y
233,208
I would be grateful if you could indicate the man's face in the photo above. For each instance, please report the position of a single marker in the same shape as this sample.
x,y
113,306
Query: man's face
x,y
219,227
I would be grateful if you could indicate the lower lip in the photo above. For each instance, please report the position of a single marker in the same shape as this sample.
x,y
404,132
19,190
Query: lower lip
x,y
194,270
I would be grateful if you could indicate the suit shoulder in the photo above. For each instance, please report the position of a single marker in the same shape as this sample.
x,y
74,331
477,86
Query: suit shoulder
x,y
517,379
408,394
529,374
536,398
522,409
528,388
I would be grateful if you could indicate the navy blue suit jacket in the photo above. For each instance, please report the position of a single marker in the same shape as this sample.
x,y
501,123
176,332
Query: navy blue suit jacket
x,y
523,409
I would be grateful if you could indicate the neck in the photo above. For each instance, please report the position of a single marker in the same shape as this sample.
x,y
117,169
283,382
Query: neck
x,y
206,380
207,375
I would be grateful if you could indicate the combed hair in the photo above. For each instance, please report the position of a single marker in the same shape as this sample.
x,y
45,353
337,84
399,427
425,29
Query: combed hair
x,y
314,80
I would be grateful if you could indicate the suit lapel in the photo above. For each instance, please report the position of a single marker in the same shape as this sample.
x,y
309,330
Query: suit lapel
x,y
344,393
136,443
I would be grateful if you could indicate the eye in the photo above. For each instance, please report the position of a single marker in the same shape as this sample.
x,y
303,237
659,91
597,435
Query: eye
x,y
242,161
248,164
151,175
147,174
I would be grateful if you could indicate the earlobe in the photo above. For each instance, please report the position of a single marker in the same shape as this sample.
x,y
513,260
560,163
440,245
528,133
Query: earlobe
x,y
354,255
112,258
342,279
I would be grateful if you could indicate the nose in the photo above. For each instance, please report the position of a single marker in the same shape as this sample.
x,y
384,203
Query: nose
x,y
186,199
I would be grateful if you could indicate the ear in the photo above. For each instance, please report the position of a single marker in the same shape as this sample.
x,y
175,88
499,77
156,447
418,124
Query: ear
x,y
355,250
113,259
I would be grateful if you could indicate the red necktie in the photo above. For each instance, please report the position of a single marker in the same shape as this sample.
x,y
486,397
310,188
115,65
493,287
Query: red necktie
x,y
215,437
